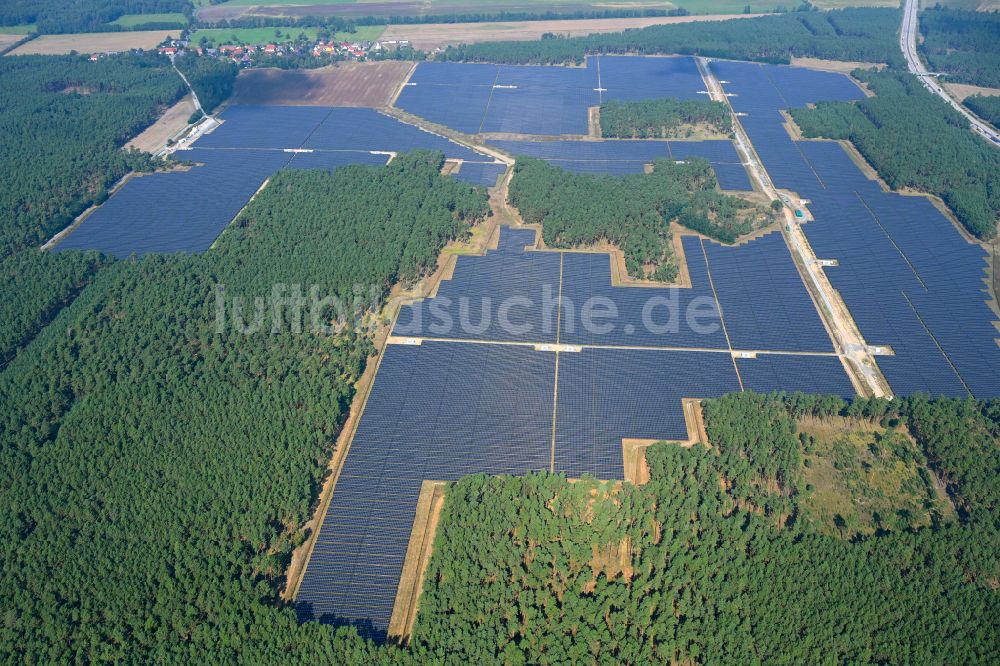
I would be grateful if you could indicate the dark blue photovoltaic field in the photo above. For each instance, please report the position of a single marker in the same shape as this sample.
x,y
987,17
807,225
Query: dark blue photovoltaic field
x,y
622,157
477,393
541,100
909,278
186,211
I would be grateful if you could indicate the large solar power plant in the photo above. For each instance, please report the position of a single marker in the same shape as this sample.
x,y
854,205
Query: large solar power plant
x,y
521,99
622,157
187,210
475,384
908,277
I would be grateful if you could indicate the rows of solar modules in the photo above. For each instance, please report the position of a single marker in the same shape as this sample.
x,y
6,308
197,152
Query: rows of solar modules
x,y
511,295
621,157
643,317
179,211
606,395
187,210
540,100
507,295
445,408
438,411
909,278
764,303
481,173
768,373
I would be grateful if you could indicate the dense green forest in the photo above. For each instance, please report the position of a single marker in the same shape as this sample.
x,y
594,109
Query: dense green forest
x,y
965,45
710,562
156,467
632,212
986,107
663,118
36,285
211,78
64,121
867,35
914,139
59,16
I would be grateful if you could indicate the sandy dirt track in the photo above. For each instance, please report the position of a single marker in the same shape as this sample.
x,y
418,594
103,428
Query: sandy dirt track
x,y
91,42
172,121
370,84
438,35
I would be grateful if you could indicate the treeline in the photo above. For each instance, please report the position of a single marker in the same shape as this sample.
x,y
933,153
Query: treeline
x,y
631,212
986,107
866,35
916,140
662,118
965,45
709,562
211,78
64,121
345,23
158,462
60,16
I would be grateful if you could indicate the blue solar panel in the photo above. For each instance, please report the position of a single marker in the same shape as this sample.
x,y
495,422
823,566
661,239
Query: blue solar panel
x,y
623,157
908,277
445,408
541,100
480,173
807,374
253,126
367,129
186,211
764,302
330,160
176,211
637,78
606,395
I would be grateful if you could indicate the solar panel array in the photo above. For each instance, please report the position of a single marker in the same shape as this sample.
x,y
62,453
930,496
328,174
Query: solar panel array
x,y
540,100
180,211
479,173
909,278
620,157
606,395
481,399
763,299
186,211
438,411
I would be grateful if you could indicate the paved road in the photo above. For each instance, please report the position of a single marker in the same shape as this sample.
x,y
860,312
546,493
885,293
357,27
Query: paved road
x,y
908,44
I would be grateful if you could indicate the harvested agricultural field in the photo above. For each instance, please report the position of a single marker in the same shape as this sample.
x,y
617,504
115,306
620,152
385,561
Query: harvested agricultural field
x,y
364,84
170,123
7,40
100,42
439,35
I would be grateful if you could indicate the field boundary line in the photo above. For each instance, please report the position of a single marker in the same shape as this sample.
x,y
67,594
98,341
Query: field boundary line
x,y
722,317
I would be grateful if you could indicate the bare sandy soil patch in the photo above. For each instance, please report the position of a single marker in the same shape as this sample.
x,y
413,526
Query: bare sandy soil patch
x,y
438,35
365,84
172,121
842,66
962,90
94,42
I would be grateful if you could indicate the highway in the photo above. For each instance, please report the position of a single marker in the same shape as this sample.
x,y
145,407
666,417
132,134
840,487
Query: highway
x,y
908,44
